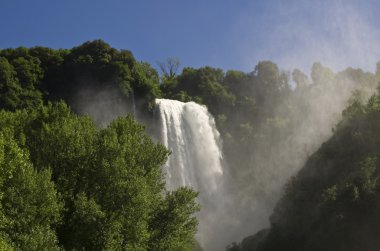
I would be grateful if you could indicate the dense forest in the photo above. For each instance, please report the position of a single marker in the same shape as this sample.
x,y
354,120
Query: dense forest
x,y
79,174
68,183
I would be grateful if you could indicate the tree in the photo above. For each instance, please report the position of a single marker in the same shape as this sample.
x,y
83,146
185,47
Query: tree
x,y
169,68
10,89
174,224
300,79
29,204
269,80
235,82
110,181
206,83
321,74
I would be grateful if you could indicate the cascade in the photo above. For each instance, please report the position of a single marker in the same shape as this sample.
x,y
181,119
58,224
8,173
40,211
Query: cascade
x,y
189,132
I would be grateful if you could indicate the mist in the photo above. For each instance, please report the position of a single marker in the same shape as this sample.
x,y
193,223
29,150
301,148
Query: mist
x,y
341,38
247,195
260,131
337,33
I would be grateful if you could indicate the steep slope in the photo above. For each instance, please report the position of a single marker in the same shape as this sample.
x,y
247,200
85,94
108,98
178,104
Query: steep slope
x,y
333,203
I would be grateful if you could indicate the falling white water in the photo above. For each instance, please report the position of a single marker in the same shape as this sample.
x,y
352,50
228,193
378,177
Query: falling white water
x,y
189,132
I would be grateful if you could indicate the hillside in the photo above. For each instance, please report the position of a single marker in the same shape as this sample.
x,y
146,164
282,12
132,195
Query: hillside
x,y
64,119
333,202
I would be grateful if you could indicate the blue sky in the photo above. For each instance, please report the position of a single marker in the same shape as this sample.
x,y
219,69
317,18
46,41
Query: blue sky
x,y
230,34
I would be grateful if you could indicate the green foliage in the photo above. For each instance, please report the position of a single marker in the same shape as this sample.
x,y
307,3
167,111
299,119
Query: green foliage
x,y
333,202
20,79
109,180
146,84
5,245
9,86
29,77
29,202
174,224
204,83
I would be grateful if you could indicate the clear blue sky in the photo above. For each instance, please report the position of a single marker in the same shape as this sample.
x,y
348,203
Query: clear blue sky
x,y
231,34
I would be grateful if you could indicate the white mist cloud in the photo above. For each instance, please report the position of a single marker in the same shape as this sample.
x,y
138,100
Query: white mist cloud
x,y
295,34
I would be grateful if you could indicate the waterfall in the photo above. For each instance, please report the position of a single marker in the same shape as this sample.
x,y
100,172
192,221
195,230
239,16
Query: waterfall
x,y
189,132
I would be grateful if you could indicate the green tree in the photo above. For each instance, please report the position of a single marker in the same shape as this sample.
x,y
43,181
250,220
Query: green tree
x,y
174,224
9,87
110,181
29,203
321,74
